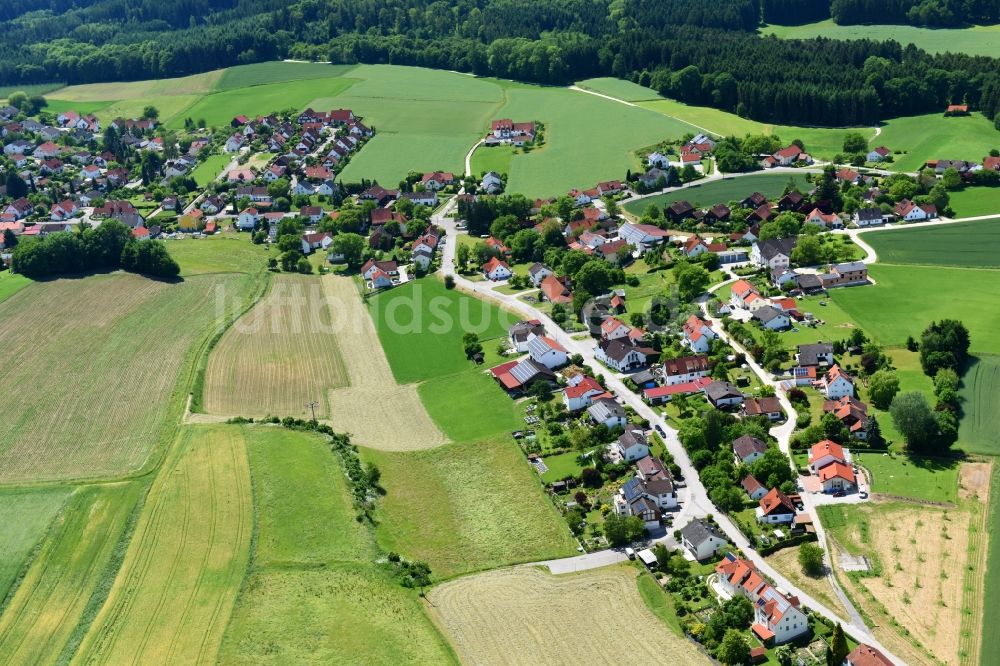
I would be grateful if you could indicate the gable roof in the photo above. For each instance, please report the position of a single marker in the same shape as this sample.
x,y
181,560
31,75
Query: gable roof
x,y
776,502
747,445
698,531
685,364
826,447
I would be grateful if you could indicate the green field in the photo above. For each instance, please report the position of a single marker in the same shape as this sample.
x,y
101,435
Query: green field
x,y
226,252
907,298
313,594
619,89
242,76
469,405
976,201
24,519
210,169
467,507
421,324
980,392
735,188
963,244
930,479
977,40
991,611
934,137
29,89
494,158
11,283
69,578
57,106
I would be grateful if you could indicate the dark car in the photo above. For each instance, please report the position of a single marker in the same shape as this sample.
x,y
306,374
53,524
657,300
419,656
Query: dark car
x,y
659,430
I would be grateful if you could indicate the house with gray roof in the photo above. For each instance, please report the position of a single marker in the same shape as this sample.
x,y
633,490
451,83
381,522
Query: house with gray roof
x,y
702,539
723,394
608,412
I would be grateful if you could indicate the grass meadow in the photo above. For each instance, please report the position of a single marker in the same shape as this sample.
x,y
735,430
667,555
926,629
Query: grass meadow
x,y
101,412
962,244
210,169
976,201
313,593
25,516
991,614
467,507
934,137
184,567
976,40
469,405
931,479
70,576
722,191
980,393
11,283
225,252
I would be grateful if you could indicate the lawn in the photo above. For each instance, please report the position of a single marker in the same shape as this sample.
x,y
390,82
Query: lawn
x,y
210,169
70,576
561,465
24,519
921,478
962,244
421,324
901,304
11,283
619,89
101,412
466,507
976,40
494,158
185,564
313,594
470,405
770,185
57,106
980,395
220,253
976,201
934,137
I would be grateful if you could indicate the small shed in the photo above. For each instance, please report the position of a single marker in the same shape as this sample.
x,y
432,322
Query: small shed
x,y
647,557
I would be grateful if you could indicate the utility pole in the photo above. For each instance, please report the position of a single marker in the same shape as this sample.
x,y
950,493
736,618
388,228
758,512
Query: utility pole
x,y
312,407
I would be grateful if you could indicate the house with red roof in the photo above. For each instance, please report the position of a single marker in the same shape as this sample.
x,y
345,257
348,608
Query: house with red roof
x,y
556,289
866,655
824,220
698,335
835,384
659,395
496,269
826,453
907,211
778,617
739,292
787,156
775,507
684,369
580,395
852,413
437,180
612,329
837,477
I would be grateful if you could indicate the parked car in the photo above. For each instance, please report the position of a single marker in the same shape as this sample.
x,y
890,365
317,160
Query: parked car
x,y
629,553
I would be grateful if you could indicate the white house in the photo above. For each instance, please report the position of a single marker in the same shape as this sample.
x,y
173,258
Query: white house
x,y
778,617
630,445
613,329
521,333
315,241
642,236
233,143
740,290
826,453
623,354
773,254
580,396
658,159
491,183
702,539
747,449
908,211
496,270
248,219
698,335
684,369
836,384
371,267
537,273
607,411
772,318
775,508
547,351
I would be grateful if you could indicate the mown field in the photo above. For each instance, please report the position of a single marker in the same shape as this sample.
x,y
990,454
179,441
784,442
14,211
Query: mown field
x,y
962,244
114,349
313,593
976,40
225,252
990,630
932,479
527,616
172,598
934,137
46,618
25,516
976,201
722,191
280,355
980,423
11,283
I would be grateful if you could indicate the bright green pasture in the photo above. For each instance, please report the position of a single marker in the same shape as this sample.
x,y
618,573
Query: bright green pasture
x,y
24,518
467,507
976,40
57,106
907,298
735,188
261,73
421,324
494,158
979,428
976,201
963,244
934,137
932,479
11,283
209,170
470,405
226,252
619,89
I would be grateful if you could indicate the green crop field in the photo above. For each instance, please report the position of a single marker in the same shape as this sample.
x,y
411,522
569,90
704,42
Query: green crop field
x,y
467,507
173,597
963,244
980,394
421,325
991,611
101,412
224,252
976,201
722,191
210,169
313,594
907,298
469,405
11,283
242,76
69,578
619,89
930,479
57,106
934,137
24,518
29,89
977,40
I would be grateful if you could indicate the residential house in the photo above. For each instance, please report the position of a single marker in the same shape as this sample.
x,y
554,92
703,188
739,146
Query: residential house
x,y
768,406
630,446
685,369
390,268
556,289
624,354
642,237
824,220
212,204
655,177
825,453
698,335
646,498
312,213
878,154
658,395
787,156
775,507
773,253
718,213
815,355
247,219
866,655
547,351
520,333
658,160
907,211
747,449
428,198
778,617
379,195
835,384
537,273
722,394
679,211
772,318
702,539
496,270
613,329
739,292
63,210
492,183
837,477
616,252
852,413
316,241
845,274
869,217
607,412
754,489
581,395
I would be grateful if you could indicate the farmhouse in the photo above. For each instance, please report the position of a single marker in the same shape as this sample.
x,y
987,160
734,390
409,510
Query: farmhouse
x,y
505,130
747,449
702,539
775,507
437,180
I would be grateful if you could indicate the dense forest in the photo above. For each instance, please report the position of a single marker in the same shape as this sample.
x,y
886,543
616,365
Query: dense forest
x,y
697,51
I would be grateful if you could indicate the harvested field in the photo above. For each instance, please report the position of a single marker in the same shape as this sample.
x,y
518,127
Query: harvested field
x,y
113,349
526,616
173,597
786,561
392,418
75,561
279,356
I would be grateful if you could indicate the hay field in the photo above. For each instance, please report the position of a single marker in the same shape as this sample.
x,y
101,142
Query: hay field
x,y
173,597
526,616
392,418
69,576
314,594
279,356
24,519
97,362
929,565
